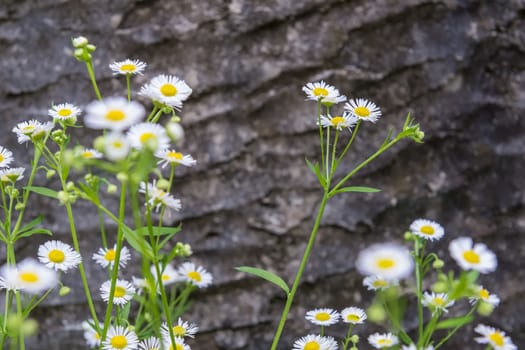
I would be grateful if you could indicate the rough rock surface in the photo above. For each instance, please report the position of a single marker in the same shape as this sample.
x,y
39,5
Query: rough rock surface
x,y
456,66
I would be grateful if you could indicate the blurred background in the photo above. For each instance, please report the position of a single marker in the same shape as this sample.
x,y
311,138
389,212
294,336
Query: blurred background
x,y
456,66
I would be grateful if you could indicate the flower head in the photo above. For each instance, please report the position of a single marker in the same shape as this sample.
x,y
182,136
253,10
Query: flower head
x,y
413,347
427,229
29,276
390,261
123,292
321,91
169,156
353,315
484,295
378,283
128,66
150,135
181,329
90,153
12,174
315,342
150,343
64,111
120,338
114,113
6,157
338,122
106,256
472,256
323,317
437,301
195,275
116,146
179,344
168,276
495,337
58,255
158,198
90,334
167,89
363,109
380,341
32,130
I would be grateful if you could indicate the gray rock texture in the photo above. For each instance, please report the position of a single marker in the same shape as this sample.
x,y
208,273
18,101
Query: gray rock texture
x,y
457,66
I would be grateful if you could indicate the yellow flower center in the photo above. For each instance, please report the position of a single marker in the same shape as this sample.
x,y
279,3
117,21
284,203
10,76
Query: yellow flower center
x,y
352,317
64,112
28,129
115,115
322,316
362,112
110,255
312,345
179,331
483,293
120,291
497,338
1,158
128,67
177,347
145,137
56,256
88,154
118,144
168,90
380,284
29,277
336,121
471,257
97,336
176,155
439,301
119,342
384,342
165,277
319,91
427,230
194,275
385,263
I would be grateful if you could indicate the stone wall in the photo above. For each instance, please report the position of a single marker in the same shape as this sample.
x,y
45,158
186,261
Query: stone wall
x,y
456,66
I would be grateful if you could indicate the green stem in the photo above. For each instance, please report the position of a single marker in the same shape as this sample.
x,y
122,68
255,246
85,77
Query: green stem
x,y
156,117
128,85
302,266
334,162
352,138
19,312
452,332
419,292
320,130
91,72
348,335
327,158
153,112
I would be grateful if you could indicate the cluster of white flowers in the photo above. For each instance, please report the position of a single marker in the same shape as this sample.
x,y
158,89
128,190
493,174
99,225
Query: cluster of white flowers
x,y
9,175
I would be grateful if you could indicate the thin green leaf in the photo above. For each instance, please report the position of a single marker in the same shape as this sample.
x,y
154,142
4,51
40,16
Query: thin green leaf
x,y
159,231
44,191
316,171
358,189
137,242
35,231
267,275
455,322
32,224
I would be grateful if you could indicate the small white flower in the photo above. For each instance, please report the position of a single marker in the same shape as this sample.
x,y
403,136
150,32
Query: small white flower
x,y
116,146
413,347
106,256
323,317
495,337
148,135
6,157
151,343
128,66
321,91
388,260
12,174
196,275
120,338
114,113
427,229
339,122
123,292
167,89
484,295
28,130
363,109
168,276
353,315
169,156
29,276
436,301
158,198
58,255
64,111
90,153
179,344
316,342
378,283
472,256
381,341
90,334
181,329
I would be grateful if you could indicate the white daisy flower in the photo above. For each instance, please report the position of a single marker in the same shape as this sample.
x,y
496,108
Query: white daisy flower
x,y
363,109
123,292
495,337
6,157
427,229
169,156
29,276
114,113
28,130
128,66
168,276
323,317
148,134
64,111
311,342
90,153
157,197
181,329
472,256
151,343
338,122
116,146
381,341
484,295
378,283
58,255
196,275
167,89
12,174
353,315
413,347
179,344
120,338
90,334
437,301
388,260
321,91
106,257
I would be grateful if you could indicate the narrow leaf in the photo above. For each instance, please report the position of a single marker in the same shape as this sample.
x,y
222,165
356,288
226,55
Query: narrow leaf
x,y
32,224
137,242
267,275
455,322
358,189
35,231
159,231
44,191
316,171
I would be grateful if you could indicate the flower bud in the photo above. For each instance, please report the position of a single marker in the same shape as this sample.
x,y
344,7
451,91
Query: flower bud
x,y
438,264
64,290
91,47
376,313
408,236
485,309
122,177
79,42
50,173
19,206
70,186
175,131
163,184
354,339
440,287
112,188
183,250
29,327
63,197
